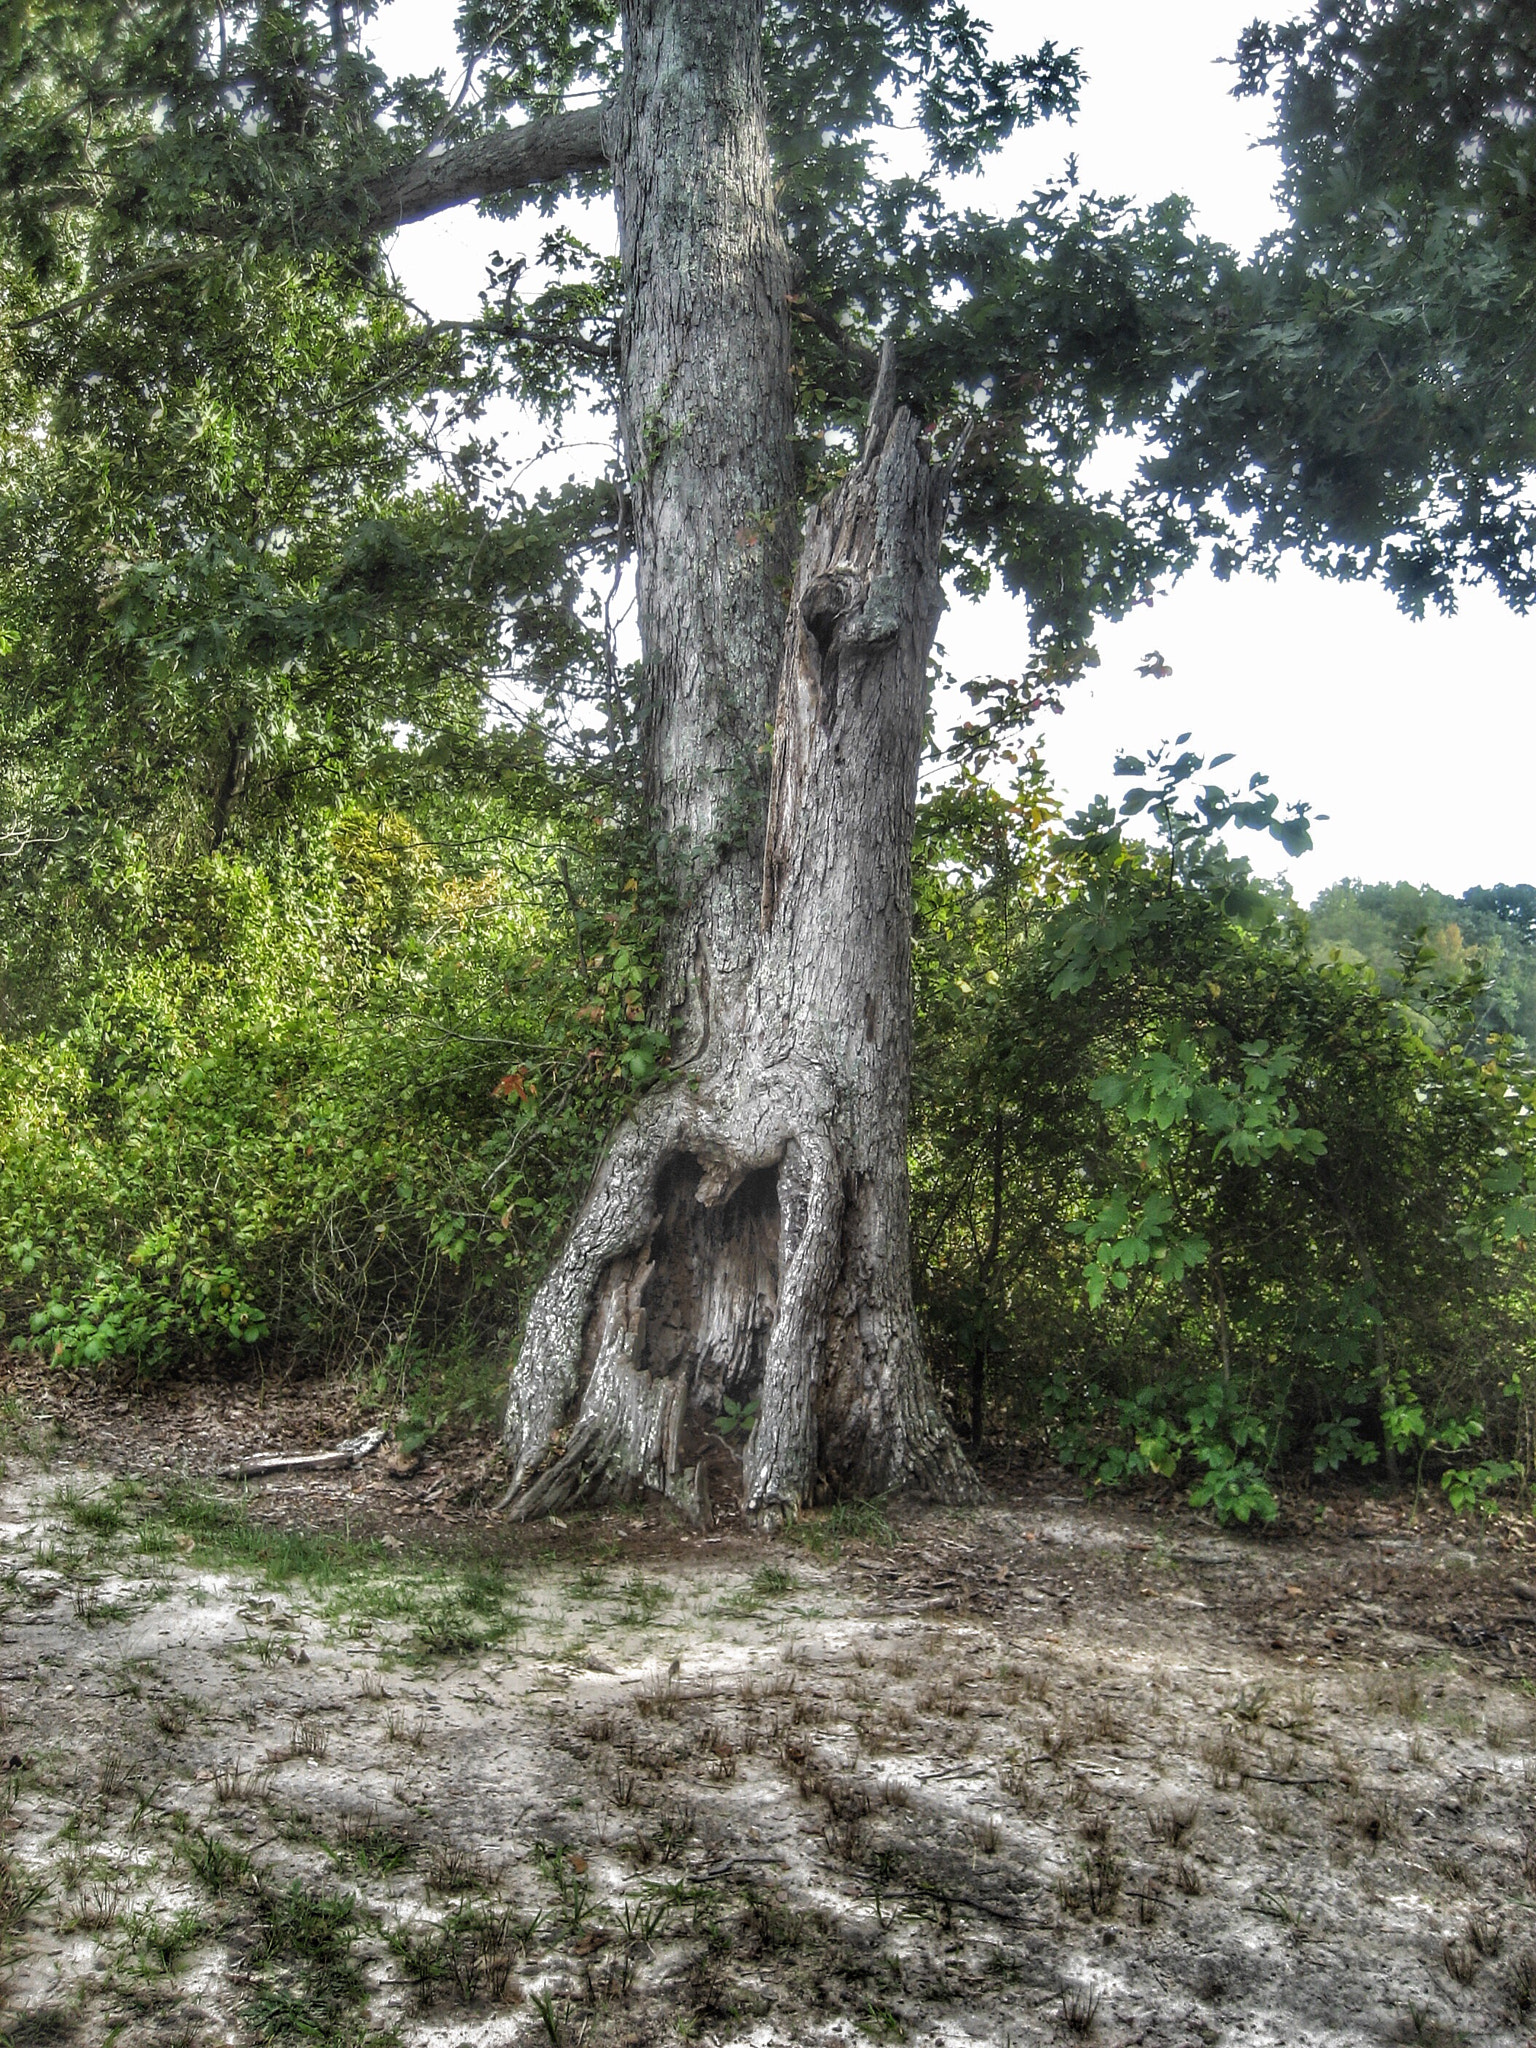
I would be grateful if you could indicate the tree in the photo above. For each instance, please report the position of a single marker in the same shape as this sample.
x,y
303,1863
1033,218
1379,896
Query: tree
x,y
830,386
1368,402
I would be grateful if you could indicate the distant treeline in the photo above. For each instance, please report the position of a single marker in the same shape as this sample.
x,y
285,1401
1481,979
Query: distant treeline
x,y
1490,930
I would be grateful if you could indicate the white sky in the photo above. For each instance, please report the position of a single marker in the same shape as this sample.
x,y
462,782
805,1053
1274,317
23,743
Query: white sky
x,y
1416,739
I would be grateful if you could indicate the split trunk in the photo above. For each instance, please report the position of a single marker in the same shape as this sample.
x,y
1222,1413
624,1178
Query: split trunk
x,y
746,1234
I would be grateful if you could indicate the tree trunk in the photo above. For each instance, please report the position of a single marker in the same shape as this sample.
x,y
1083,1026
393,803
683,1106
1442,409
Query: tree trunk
x,y
746,1235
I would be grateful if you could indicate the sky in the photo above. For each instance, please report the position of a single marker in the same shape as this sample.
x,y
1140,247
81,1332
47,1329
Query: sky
x,y
1416,739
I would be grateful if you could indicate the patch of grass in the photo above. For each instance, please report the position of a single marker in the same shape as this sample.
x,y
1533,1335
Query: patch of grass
x,y
483,1587
233,1781
97,1514
374,1847
847,1521
643,1599
1079,2008
454,1871
20,1891
218,1865
308,1738
223,1533
162,1940
471,1952
308,1986
772,1582
45,2026
448,1632
1172,1821
399,1727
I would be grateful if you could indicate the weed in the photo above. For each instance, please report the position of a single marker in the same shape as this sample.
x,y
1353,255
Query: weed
x,y
1484,1935
448,1632
102,1515
373,1846
1148,1900
302,1957
219,1865
20,1891
544,2006
1376,1818
422,1959
89,1605
567,1871
882,2023
642,1920
845,1839
171,1717
399,1727
303,1962
1057,1741
455,1871
1272,1902
233,1781
1520,1984
308,1739
1396,1692
1103,1877
99,1906
1461,1960
1080,2008
371,1685
1172,1821
1187,1876
987,1836
1105,1724
114,1773
643,1599
849,1521
1295,1713
658,1696
1223,1754
163,1942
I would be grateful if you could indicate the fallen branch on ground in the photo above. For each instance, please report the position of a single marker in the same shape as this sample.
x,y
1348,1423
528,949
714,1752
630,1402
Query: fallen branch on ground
x,y
352,1452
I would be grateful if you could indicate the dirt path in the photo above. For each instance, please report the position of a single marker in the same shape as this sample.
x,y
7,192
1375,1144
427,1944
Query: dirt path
x,y
299,1766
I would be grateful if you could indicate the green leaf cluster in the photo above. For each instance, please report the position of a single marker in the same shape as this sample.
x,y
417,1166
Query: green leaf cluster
x,y
332,1103
1196,1197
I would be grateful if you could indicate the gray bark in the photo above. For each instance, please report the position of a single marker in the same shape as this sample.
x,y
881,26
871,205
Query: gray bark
x,y
747,1231
490,166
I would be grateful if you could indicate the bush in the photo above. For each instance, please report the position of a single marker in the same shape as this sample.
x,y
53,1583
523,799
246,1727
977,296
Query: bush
x,y
330,1104
1189,1200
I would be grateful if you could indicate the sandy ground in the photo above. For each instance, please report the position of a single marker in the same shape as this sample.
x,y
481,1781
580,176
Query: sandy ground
x,y
310,1762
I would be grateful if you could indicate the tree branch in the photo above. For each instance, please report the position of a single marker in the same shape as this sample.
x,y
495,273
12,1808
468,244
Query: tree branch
x,y
507,160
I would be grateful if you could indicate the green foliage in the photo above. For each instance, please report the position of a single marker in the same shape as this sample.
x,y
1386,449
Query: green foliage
x,y
1367,398
1484,939
332,1105
1196,1199
737,1418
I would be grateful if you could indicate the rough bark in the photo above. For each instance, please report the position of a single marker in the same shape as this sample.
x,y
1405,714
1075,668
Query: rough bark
x,y
506,160
747,1232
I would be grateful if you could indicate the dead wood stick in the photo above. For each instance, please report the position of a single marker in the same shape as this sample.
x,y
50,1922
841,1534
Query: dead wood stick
x,y
351,1452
